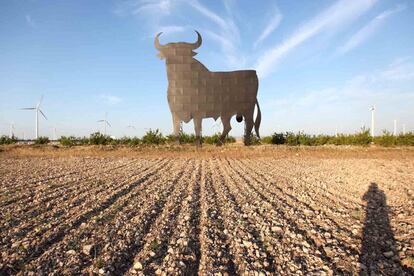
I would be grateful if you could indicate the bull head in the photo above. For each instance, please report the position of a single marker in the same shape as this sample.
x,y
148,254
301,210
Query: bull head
x,y
168,50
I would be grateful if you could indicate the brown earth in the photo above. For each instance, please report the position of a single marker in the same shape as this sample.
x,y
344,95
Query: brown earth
x,y
231,210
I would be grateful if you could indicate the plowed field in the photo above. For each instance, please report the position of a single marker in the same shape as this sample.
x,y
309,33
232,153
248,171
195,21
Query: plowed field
x,y
206,215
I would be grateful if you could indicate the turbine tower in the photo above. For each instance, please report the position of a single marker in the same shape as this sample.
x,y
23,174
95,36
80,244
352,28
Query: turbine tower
x,y
105,121
403,128
11,130
37,109
54,133
395,127
372,120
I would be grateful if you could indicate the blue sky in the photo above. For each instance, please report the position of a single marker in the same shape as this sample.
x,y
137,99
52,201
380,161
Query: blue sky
x,y
321,64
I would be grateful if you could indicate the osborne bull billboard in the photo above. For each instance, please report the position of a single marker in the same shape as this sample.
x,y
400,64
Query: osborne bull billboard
x,y
195,93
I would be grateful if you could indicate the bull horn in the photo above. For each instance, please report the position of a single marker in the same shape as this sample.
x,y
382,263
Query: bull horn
x,y
157,42
199,40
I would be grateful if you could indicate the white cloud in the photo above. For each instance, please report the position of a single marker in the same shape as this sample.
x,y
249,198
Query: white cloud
x,y
157,6
368,30
348,104
333,18
171,29
110,99
227,35
30,21
399,70
270,27
154,12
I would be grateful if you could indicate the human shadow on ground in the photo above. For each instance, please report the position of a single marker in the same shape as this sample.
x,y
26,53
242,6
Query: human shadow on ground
x,y
379,254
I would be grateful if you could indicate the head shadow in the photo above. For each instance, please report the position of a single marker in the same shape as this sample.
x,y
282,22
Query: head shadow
x,y
379,254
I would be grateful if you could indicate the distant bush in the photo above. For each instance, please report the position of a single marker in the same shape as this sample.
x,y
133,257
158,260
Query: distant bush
x,y
278,139
155,137
405,139
361,138
83,140
187,138
389,140
254,140
98,138
68,141
6,140
295,139
291,139
266,140
321,139
214,139
230,139
127,141
123,140
135,141
386,139
42,140
152,137
211,140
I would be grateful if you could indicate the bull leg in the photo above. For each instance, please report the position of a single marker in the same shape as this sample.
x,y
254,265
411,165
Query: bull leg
x,y
226,129
248,129
177,128
197,129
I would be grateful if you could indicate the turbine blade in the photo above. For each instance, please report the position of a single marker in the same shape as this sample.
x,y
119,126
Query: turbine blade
x,y
40,101
43,114
28,108
100,121
108,123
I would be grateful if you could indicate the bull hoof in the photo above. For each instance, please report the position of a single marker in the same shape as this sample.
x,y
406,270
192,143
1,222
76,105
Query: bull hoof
x,y
219,143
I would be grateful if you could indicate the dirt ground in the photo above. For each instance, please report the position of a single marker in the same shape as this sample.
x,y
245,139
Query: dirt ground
x,y
261,210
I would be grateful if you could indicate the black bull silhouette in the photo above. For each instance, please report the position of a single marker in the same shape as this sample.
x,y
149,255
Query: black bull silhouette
x,y
196,93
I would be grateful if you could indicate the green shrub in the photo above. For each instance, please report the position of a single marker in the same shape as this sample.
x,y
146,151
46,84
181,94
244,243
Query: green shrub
x,y
123,140
187,138
230,139
42,140
305,139
361,138
405,139
294,139
152,137
266,140
68,141
98,138
278,138
214,139
291,139
386,139
83,141
6,140
254,140
322,139
134,141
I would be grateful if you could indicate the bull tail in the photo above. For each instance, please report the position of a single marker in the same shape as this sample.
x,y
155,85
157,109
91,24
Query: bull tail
x,y
258,120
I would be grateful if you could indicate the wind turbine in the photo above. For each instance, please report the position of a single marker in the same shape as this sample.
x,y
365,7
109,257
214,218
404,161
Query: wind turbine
x,y
395,127
372,120
37,108
11,129
105,121
403,128
54,133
